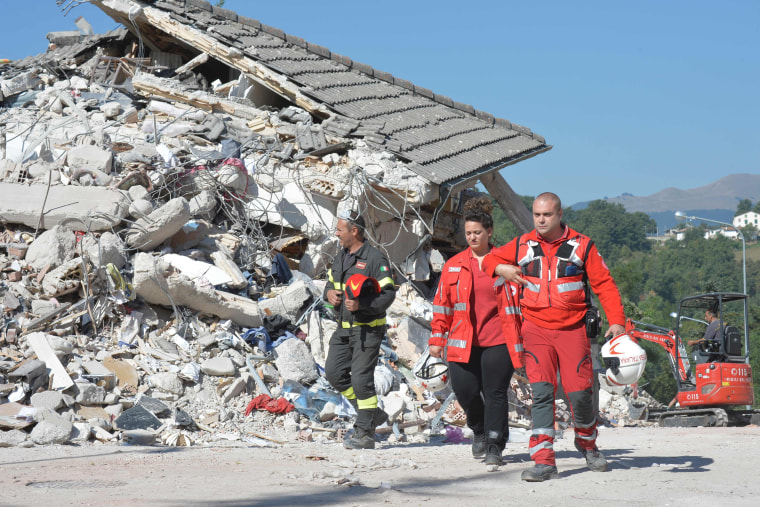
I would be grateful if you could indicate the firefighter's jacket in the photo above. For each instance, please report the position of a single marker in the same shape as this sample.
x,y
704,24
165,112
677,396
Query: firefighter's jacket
x,y
556,295
452,326
367,261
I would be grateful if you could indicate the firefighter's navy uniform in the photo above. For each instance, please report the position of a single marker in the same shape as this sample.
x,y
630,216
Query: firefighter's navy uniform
x,y
355,345
554,304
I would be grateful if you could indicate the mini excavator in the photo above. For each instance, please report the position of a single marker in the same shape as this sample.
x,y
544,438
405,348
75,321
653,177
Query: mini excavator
x,y
719,390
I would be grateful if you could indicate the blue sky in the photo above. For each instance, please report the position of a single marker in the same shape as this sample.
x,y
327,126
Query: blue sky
x,y
635,97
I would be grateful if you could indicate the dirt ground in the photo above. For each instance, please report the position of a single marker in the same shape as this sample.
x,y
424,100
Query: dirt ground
x,y
649,466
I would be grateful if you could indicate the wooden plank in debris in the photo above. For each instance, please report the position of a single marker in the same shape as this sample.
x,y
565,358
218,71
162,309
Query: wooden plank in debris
x,y
230,56
509,201
60,377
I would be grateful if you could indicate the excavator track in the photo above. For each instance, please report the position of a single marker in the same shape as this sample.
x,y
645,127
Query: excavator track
x,y
691,418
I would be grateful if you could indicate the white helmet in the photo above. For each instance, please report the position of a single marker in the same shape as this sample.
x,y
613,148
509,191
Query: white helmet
x,y
431,372
625,360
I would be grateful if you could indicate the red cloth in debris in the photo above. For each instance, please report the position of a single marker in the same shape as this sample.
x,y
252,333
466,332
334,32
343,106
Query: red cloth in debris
x,y
265,402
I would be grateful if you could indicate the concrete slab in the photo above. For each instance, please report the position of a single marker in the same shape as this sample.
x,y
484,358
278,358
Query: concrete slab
x,y
74,206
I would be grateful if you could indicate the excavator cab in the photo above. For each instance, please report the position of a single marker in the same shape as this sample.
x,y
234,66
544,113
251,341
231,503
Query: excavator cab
x,y
714,380
726,340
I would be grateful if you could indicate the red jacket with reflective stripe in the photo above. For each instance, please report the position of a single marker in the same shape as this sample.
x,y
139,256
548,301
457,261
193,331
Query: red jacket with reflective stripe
x,y
451,324
555,295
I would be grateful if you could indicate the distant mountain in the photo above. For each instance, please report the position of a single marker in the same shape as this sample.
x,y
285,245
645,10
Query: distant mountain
x,y
716,201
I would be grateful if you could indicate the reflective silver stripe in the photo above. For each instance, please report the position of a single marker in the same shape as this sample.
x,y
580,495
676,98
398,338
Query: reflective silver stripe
x,y
460,307
543,431
512,310
589,425
566,287
519,347
438,335
590,437
446,310
459,344
541,447
532,287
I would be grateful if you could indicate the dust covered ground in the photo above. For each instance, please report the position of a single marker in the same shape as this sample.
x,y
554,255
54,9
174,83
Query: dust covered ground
x,y
648,466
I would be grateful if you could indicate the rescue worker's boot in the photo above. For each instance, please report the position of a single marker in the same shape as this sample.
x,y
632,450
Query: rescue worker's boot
x,y
380,417
594,458
540,473
364,431
494,448
478,445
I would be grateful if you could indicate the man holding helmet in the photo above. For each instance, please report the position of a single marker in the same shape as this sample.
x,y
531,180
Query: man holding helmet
x,y
554,265
360,289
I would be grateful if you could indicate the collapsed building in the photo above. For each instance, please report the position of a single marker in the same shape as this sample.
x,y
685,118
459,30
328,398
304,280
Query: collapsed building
x,y
169,192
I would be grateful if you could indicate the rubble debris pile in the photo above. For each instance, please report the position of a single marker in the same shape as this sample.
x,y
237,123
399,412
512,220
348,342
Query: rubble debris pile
x,y
167,222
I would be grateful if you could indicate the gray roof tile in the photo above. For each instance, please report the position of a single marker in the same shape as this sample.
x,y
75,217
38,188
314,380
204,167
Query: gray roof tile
x,y
443,139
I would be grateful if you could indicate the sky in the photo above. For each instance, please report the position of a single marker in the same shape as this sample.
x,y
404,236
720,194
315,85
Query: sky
x,y
634,97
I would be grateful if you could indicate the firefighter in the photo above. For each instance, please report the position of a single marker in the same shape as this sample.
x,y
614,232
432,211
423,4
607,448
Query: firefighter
x,y
476,322
554,266
355,345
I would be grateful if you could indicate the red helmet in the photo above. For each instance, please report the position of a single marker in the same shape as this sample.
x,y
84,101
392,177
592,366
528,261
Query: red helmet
x,y
358,285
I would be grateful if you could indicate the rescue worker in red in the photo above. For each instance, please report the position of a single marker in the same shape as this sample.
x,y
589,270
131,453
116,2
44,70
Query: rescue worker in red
x,y
553,265
476,328
355,345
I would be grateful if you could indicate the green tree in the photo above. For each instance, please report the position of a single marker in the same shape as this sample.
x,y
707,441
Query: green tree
x,y
744,206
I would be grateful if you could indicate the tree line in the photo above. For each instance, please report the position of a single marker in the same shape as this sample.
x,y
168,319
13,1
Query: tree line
x,y
654,276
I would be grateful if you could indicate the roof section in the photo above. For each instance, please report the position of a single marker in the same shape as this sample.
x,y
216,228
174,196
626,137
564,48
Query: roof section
x,y
442,139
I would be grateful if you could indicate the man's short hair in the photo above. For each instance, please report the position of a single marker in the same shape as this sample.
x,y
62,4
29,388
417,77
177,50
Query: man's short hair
x,y
550,196
353,218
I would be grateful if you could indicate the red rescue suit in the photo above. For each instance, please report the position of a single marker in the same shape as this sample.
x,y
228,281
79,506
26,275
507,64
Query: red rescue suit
x,y
553,304
452,326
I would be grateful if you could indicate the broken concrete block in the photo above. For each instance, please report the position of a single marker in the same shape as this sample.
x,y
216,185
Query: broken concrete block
x,y
156,407
294,362
64,279
168,382
139,437
50,400
81,432
53,247
149,273
199,272
51,428
147,233
90,157
80,208
409,340
203,204
12,438
290,303
138,192
137,418
104,250
219,367
318,334
225,263
89,394
140,208
237,387
317,256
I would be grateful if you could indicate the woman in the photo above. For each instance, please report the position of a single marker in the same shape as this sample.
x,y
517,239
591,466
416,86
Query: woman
x,y
482,349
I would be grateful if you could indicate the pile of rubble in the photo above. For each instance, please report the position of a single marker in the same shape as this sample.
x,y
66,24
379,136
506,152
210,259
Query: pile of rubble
x,y
163,256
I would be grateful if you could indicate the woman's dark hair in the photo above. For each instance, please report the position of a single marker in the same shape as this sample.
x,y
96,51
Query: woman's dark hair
x,y
478,209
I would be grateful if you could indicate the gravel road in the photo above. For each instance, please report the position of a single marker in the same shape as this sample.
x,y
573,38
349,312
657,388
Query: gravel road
x,y
649,466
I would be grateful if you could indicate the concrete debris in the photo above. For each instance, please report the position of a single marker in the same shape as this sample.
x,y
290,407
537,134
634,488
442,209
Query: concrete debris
x,y
149,226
